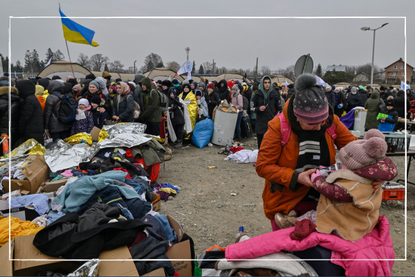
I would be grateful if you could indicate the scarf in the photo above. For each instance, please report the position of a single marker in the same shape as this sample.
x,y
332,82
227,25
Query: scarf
x,y
80,114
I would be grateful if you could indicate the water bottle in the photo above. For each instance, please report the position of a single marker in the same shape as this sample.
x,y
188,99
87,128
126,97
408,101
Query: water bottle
x,y
241,232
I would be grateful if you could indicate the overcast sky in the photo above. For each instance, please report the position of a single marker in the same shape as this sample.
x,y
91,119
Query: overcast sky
x,y
233,43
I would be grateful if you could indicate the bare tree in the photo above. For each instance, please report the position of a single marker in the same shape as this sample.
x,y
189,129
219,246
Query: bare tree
x,y
116,66
223,70
152,61
173,66
98,61
207,66
58,56
265,70
84,60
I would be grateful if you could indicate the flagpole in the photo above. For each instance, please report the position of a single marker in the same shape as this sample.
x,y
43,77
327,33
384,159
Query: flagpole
x,y
67,49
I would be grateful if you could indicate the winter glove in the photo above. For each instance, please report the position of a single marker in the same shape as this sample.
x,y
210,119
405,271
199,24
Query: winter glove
x,y
340,106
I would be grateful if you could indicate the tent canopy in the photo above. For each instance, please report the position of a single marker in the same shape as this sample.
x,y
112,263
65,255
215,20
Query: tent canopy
x,y
64,69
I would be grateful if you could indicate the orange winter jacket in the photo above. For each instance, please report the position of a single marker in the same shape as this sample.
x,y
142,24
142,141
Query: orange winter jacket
x,y
277,163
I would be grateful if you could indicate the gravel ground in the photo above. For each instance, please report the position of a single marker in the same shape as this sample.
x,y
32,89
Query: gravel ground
x,y
211,214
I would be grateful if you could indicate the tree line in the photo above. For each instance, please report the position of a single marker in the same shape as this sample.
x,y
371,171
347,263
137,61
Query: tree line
x,y
99,62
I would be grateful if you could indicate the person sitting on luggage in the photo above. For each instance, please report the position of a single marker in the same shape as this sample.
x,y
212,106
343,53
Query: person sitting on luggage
x,y
349,203
203,110
176,116
84,120
99,113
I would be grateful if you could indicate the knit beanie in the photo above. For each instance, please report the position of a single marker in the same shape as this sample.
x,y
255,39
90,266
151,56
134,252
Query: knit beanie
x,y
118,80
77,87
95,99
90,76
166,83
361,153
84,102
56,77
230,83
95,83
310,104
389,102
175,81
202,85
236,87
211,85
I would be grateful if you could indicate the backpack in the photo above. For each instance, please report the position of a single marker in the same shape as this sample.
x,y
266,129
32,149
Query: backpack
x,y
245,106
136,109
286,130
67,109
164,100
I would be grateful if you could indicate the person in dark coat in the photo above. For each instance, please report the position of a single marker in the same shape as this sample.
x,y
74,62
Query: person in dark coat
x,y
123,108
391,112
165,85
291,90
99,113
57,129
31,119
383,94
150,108
4,113
340,102
224,91
176,116
364,95
353,100
212,98
400,104
372,107
266,106
330,96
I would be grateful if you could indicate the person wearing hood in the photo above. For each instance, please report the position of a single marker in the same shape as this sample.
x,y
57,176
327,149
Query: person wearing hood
x,y
224,91
107,77
201,87
39,95
287,169
45,84
203,110
123,107
137,80
389,118
399,101
191,103
176,116
266,106
76,89
372,107
212,99
165,85
353,100
291,90
238,102
84,88
151,112
31,118
4,113
84,120
99,115
58,130
340,102
176,84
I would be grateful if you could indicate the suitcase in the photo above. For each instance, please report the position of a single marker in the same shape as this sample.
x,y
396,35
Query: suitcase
x,y
246,129
323,268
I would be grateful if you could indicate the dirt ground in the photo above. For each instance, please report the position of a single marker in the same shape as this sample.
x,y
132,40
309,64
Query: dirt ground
x,y
211,215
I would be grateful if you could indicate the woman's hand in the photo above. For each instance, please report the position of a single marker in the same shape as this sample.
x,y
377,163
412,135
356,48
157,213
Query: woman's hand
x,y
305,178
102,110
376,186
115,117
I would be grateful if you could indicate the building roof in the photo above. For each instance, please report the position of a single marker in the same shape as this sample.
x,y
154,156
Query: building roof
x,y
336,67
400,60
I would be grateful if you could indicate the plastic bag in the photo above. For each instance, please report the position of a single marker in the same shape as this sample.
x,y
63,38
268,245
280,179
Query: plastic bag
x,y
47,138
202,133
89,268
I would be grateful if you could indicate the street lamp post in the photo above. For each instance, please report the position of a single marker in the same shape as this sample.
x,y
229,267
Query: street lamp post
x,y
373,51
134,66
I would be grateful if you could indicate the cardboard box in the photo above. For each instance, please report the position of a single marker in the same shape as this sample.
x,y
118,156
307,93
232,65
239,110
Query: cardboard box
x,y
24,249
6,268
51,186
95,133
155,200
36,172
157,272
180,251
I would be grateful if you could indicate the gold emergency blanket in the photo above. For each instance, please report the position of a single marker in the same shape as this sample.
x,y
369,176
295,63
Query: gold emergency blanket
x,y
80,137
29,147
191,102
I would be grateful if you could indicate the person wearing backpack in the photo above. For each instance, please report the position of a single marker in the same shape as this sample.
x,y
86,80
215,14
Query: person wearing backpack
x,y
57,128
123,107
84,120
31,118
310,139
151,114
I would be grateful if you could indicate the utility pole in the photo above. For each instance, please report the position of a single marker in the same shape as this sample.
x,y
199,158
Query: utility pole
x,y
256,68
187,51
213,65
134,66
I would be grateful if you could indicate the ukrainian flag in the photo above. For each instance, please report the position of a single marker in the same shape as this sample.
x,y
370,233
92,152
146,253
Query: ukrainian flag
x,y
74,32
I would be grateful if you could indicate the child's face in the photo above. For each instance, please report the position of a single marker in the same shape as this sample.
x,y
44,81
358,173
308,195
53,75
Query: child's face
x,y
172,95
94,105
82,107
198,97
389,107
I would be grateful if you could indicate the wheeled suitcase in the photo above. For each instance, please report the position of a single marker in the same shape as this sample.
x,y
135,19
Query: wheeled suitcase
x,y
246,129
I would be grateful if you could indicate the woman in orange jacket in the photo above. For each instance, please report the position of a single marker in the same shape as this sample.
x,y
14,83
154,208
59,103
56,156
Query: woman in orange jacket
x,y
287,165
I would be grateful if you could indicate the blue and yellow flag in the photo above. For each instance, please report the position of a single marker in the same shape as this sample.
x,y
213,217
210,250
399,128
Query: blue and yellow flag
x,y
74,32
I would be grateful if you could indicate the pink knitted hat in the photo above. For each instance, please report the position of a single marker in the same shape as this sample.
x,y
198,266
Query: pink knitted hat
x,y
361,153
